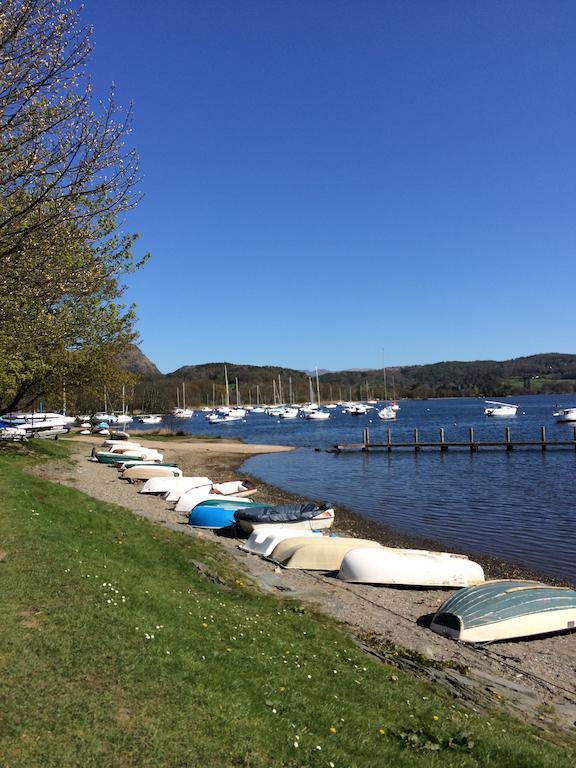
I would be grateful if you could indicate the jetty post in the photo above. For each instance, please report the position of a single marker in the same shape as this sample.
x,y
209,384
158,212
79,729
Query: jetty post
x,y
543,437
365,439
443,445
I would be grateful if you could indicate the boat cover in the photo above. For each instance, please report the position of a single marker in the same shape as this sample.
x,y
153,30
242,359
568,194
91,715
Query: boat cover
x,y
283,513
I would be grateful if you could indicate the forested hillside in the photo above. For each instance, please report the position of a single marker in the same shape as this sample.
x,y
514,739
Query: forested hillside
x,y
205,384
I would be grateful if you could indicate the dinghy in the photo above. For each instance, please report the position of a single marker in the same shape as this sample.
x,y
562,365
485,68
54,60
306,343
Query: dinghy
x,y
324,553
409,567
120,444
114,457
264,541
121,466
187,501
173,487
146,471
310,516
506,609
215,513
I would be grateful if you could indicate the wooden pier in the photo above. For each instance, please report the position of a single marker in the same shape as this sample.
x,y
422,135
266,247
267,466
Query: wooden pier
x,y
443,445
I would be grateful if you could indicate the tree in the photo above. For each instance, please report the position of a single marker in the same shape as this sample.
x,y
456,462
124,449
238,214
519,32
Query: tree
x,y
65,178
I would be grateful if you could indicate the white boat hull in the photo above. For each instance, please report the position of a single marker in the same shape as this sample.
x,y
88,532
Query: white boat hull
x,y
566,415
324,553
174,487
410,567
188,501
265,540
148,471
520,626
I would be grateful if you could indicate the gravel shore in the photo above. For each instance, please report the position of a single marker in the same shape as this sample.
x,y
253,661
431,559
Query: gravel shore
x,y
536,679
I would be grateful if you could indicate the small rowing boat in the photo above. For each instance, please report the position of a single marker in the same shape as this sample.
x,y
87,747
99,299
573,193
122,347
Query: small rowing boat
x,y
215,513
324,553
310,516
263,541
506,609
173,487
410,567
146,471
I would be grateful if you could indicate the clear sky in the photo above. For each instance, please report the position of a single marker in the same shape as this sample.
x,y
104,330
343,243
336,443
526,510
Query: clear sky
x,y
338,183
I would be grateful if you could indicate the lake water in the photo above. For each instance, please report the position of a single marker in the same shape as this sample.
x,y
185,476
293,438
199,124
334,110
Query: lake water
x,y
518,506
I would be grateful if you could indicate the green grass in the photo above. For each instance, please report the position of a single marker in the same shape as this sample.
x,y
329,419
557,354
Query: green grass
x,y
117,650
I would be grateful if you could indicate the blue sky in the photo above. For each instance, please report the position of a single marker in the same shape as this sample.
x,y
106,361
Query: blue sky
x,y
335,183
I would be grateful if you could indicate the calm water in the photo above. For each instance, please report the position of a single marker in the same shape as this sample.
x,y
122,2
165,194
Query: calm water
x,y
518,506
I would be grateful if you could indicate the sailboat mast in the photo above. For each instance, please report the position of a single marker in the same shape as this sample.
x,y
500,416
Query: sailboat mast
x,y
257,394
183,396
227,387
318,386
237,394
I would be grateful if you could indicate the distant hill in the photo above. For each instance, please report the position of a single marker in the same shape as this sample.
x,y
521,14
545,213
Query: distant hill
x,y
204,384
136,361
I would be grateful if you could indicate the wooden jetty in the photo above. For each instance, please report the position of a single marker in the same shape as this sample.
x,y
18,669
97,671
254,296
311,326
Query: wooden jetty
x,y
472,444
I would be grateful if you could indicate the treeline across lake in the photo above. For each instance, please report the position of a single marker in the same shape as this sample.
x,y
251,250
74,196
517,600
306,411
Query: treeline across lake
x,y
205,384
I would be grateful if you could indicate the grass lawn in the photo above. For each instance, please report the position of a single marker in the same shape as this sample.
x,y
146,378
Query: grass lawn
x,y
117,650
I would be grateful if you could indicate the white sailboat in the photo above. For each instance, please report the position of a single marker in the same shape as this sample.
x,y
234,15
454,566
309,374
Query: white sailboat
x,y
258,408
500,409
124,417
183,413
317,414
388,413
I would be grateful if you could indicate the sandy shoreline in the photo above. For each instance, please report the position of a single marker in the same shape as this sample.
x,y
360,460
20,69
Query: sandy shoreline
x,y
535,678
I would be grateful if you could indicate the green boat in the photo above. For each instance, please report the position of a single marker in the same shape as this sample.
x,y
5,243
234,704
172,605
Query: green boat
x,y
501,610
105,457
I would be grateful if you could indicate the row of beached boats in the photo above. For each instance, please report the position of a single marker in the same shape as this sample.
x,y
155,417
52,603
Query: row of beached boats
x,y
296,536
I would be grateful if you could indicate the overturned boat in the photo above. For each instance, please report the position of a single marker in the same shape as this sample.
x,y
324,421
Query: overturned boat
x,y
311,516
263,541
174,487
117,457
237,488
146,471
409,567
215,513
506,609
324,553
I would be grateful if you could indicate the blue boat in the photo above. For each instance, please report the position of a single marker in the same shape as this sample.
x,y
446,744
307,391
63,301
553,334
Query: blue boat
x,y
216,513
506,609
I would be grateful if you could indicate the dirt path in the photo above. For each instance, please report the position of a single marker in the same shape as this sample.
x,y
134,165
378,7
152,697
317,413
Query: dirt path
x,y
536,678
